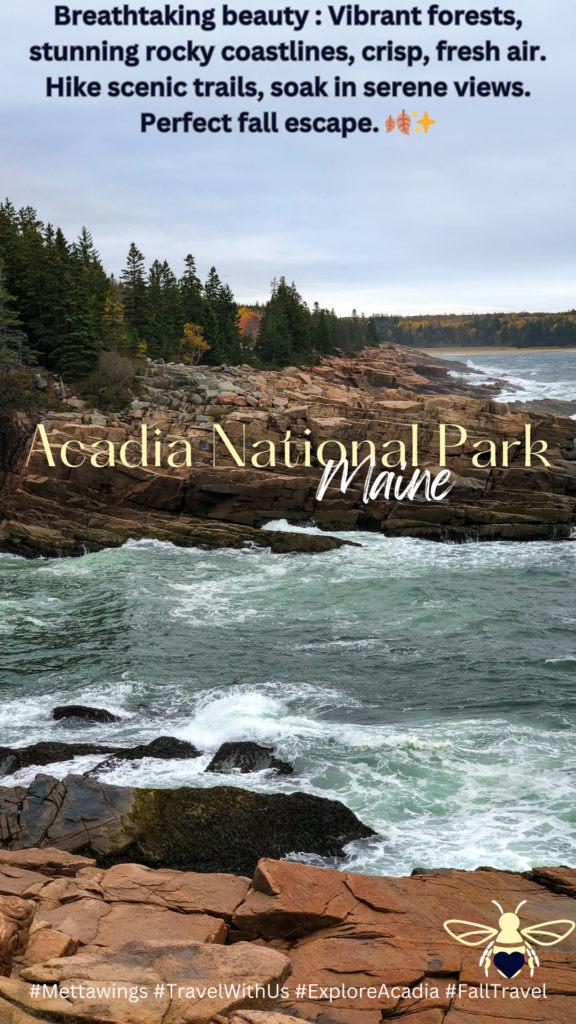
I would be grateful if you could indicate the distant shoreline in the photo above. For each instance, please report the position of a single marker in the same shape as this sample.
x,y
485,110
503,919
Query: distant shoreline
x,y
492,348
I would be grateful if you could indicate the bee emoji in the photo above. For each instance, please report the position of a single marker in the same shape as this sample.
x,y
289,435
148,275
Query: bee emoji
x,y
509,944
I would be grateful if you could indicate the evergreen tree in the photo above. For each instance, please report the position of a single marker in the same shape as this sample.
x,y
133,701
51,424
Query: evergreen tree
x,y
275,342
77,350
12,339
324,331
191,299
115,332
286,329
163,326
87,258
135,294
220,321
371,332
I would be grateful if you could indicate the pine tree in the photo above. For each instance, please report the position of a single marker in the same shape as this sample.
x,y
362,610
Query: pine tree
x,y
371,332
12,339
191,298
286,329
163,324
77,350
324,331
220,320
114,332
135,295
87,257
274,344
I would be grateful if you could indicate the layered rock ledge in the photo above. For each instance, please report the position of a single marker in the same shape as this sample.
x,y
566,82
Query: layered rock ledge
x,y
376,397
223,828
291,943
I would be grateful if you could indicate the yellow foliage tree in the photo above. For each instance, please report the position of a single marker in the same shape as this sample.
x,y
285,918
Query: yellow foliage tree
x,y
192,344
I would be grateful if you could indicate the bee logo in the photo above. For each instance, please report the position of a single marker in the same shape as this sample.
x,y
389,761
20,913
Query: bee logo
x,y
509,945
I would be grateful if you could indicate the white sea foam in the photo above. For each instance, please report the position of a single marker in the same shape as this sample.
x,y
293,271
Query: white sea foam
x,y
428,687
520,388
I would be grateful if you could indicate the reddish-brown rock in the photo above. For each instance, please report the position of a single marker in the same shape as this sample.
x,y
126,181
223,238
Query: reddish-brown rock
x,y
46,861
16,917
334,947
187,891
378,395
45,944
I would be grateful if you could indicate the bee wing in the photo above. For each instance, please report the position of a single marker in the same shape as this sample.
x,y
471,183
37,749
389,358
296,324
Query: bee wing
x,y
550,931
483,932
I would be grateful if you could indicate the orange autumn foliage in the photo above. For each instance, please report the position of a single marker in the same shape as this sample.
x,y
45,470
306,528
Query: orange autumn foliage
x,y
249,323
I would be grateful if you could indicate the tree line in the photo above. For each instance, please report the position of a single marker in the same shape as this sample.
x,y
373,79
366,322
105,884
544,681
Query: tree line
x,y
515,330
60,308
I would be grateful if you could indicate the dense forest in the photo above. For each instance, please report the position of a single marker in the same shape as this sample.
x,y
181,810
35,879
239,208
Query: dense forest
x,y
59,308
515,330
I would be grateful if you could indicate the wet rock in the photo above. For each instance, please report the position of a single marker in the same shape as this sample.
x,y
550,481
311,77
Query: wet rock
x,y
55,537
247,757
168,747
224,829
87,713
165,747
12,759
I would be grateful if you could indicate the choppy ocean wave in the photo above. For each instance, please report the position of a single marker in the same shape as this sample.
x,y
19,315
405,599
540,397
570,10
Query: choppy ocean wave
x,y
429,687
527,376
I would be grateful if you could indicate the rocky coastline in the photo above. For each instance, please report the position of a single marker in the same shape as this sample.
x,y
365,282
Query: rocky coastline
x,y
81,944
377,396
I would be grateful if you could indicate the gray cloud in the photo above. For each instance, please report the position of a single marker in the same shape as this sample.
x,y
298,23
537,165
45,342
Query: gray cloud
x,y
477,215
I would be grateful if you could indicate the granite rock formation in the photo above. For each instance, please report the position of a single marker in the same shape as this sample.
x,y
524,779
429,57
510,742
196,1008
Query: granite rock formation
x,y
294,943
220,829
374,397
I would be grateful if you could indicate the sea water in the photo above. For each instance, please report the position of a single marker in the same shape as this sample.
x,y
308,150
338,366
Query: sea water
x,y
430,687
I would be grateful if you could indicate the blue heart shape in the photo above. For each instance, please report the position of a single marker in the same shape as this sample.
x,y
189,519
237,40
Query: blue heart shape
x,y
509,963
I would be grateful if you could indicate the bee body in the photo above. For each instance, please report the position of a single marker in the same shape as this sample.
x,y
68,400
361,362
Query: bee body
x,y
508,951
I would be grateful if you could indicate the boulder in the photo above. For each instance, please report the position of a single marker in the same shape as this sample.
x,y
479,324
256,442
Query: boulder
x,y
122,925
223,829
45,944
12,759
287,902
247,757
167,747
86,713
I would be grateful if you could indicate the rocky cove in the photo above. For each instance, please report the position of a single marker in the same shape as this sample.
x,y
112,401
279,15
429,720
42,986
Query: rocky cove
x,y
377,396
187,888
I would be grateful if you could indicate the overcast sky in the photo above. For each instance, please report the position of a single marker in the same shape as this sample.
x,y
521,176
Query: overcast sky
x,y
476,215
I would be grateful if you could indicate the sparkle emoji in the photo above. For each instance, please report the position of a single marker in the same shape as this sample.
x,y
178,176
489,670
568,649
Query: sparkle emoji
x,y
426,122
